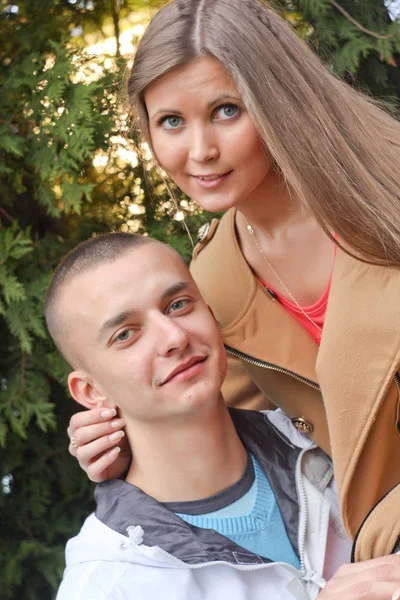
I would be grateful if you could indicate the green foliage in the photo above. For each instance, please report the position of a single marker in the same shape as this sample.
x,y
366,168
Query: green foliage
x,y
358,56
69,170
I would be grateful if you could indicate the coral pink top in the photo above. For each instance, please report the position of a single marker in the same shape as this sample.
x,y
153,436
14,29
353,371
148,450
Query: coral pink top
x,y
316,311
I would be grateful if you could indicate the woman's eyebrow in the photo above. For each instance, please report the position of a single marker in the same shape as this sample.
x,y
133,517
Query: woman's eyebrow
x,y
209,105
223,97
166,110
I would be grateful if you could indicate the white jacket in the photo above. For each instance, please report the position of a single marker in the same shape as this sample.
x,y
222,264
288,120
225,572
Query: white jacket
x,y
136,549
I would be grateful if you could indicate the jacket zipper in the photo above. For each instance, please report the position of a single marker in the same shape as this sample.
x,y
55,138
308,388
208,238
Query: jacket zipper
x,y
271,367
301,575
303,513
296,573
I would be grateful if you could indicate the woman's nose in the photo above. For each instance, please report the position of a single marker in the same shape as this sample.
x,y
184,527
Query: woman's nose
x,y
203,145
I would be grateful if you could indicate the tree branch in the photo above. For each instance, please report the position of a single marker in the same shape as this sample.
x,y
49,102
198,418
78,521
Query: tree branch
x,y
115,11
21,390
6,214
361,27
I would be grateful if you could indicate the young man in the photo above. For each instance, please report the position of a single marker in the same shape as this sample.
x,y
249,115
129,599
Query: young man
x,y
215,504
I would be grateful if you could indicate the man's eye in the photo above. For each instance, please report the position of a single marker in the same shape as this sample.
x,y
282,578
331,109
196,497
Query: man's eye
x,y
124,335
172,122
178,305
227,111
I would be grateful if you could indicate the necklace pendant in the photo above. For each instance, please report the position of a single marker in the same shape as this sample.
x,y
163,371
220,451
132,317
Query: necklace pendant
x,y
250,229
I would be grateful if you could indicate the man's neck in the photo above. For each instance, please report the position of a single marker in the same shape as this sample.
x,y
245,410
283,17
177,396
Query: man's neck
x,y
191,459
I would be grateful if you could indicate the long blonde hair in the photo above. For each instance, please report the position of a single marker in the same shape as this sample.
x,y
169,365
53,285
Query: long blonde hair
x,y
336,149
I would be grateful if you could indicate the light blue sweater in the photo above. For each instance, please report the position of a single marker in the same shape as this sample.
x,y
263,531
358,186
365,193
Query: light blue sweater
x,y
254,522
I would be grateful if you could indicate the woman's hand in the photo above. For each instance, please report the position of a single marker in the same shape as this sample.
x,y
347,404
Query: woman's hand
x,y
99,443
376,579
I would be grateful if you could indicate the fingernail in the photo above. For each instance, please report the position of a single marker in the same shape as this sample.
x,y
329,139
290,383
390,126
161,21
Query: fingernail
x,y
114,451
117,423
107,414
396,595
116,436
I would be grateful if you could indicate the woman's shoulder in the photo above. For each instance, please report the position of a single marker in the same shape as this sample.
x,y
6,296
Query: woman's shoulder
x,y
213,256
214,242
220,269
209,235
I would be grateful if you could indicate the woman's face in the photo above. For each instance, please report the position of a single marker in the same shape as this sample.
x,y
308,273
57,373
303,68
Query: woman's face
x,y
204,138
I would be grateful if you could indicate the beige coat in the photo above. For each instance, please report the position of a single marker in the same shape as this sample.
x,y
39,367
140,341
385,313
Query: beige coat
x,y
347,390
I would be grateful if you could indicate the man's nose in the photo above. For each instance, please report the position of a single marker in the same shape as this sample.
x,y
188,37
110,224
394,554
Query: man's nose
x,y
203,144
169,335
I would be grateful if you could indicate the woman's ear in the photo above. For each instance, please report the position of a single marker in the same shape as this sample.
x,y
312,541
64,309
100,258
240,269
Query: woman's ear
x,y
85,391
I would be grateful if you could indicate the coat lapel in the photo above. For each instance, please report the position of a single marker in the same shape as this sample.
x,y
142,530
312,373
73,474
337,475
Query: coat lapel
x,y
359,355
258,325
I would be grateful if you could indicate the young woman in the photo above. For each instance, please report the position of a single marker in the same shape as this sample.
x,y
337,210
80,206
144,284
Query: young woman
x,y
302,272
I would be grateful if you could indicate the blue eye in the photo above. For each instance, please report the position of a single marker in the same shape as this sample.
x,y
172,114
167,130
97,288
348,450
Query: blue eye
x,y
124,335
172,122
227,111
177,305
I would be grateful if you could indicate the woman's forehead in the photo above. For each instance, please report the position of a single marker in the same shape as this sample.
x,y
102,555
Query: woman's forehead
x,y
202,77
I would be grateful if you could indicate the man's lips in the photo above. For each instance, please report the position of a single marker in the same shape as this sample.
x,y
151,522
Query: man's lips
x,y
186,370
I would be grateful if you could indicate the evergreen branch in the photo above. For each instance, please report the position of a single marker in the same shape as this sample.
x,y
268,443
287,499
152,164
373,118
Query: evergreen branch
x,y
6,215
23,381
361,27
51,453
25,525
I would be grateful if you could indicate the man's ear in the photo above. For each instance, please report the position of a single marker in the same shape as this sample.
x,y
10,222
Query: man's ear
x,y
85,391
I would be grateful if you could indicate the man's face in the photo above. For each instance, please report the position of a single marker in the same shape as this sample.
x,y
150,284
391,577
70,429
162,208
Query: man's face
x,y
147,339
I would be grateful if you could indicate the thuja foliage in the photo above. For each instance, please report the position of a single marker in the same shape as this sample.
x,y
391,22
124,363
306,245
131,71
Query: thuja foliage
x,y
68,170
70,167
356,38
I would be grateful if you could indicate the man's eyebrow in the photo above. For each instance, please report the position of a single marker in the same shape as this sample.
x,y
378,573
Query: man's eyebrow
x,y
176,288
115,321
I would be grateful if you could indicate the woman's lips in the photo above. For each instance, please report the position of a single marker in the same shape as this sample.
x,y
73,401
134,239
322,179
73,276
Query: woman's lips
x,y
211,181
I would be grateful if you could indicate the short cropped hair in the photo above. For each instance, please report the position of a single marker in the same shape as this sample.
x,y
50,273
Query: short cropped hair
x,y
104,248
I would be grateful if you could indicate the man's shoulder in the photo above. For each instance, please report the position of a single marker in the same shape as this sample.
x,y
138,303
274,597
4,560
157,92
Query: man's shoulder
x,y
95,580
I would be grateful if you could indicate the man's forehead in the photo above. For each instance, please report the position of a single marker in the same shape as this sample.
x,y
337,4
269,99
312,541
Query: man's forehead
x,y
151,267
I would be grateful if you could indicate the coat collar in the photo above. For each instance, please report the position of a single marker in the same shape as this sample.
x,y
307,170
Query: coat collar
x,y
120,504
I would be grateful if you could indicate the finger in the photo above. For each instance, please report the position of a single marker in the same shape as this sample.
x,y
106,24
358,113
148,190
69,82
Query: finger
x,y
88,453
72,449
90,417
374,564
373,590
97,470
90,433
396,594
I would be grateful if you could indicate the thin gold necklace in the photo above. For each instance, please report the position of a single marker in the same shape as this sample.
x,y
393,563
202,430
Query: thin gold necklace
x,y
288,292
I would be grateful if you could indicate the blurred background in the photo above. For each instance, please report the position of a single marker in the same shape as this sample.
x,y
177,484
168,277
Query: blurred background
x,y
70,168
